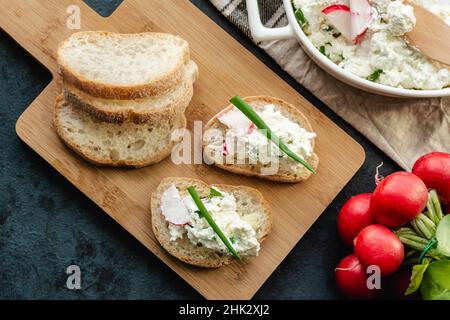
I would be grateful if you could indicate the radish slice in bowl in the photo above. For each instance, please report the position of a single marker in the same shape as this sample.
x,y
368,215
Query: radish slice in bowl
x,y
173,207
340,17
361,17
352,22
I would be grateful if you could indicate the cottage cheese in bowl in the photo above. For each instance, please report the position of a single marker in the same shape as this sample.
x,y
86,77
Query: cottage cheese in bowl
x,y
382,55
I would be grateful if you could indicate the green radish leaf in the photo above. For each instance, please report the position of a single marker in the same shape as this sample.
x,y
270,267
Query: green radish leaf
x,y
443,236
417,276
436,281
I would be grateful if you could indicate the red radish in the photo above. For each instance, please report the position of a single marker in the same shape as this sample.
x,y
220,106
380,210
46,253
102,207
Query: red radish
x,y
339,17
351,279
434,170
173,207
398,198
354,216
398,283
361,17
379,246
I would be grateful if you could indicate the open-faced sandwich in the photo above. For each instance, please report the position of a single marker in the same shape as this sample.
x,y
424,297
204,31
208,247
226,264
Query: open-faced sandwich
x,y
264,137
209,226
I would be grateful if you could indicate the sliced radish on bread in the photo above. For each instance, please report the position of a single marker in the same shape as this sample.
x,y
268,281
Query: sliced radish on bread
x,y
361,17
173,207
229,145
235,119
339,16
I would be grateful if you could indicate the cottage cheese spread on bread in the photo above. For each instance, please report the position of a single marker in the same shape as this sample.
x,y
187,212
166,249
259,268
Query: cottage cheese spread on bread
x,y
256,146
233,142
237,229
240,212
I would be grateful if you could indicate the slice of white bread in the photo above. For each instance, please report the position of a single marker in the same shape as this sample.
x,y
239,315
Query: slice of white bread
x,y
123,66
141,110
111,144
249,201
284,173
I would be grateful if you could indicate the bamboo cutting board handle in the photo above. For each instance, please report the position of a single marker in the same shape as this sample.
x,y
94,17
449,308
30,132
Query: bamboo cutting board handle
x,y
38,26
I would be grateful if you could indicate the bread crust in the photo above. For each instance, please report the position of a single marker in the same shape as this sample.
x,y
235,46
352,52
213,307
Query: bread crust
x,y
211,258
108,91
102,109
129,114
249,171
96,160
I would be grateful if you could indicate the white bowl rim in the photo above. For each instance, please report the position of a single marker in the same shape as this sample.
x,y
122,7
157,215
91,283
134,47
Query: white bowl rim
x,y
359,82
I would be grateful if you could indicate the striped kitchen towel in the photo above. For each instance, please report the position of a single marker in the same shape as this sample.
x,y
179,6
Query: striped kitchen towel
x,y
403,128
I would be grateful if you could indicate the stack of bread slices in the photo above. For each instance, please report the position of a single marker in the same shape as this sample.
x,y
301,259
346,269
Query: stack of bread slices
x,y
124,95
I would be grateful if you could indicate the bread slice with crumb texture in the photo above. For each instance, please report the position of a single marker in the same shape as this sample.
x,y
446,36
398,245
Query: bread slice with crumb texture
x,y
283,175
123,66
249,201
142,110
109,144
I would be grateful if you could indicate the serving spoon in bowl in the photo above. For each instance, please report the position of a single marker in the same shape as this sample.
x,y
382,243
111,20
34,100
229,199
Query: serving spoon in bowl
x,y
431,35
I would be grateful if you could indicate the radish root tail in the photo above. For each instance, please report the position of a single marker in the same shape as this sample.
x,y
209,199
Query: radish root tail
x,y
378,176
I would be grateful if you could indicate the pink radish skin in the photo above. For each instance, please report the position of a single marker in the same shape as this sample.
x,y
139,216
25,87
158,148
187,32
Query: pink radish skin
x,y
339,17
351,279
354,216
335,7
434,170
360,37
361,17
224,149
251,128
398,198
379,246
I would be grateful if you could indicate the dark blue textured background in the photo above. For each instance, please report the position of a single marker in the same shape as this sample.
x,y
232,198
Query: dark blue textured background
x,y
46,224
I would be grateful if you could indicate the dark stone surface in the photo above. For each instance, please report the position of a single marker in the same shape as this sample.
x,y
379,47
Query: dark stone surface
x,y
46,224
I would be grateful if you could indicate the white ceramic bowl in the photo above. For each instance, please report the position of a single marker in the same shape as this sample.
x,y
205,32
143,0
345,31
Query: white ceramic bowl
x,y
293,30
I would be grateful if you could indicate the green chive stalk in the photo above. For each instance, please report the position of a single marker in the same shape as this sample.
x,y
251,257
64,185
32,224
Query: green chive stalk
x,y
260,124
205,214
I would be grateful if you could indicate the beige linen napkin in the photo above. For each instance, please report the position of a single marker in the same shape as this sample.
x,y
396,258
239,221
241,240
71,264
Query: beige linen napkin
x,y
404,129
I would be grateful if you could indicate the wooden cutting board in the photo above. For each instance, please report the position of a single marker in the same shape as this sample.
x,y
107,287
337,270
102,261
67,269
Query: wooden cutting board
x,y
226,69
